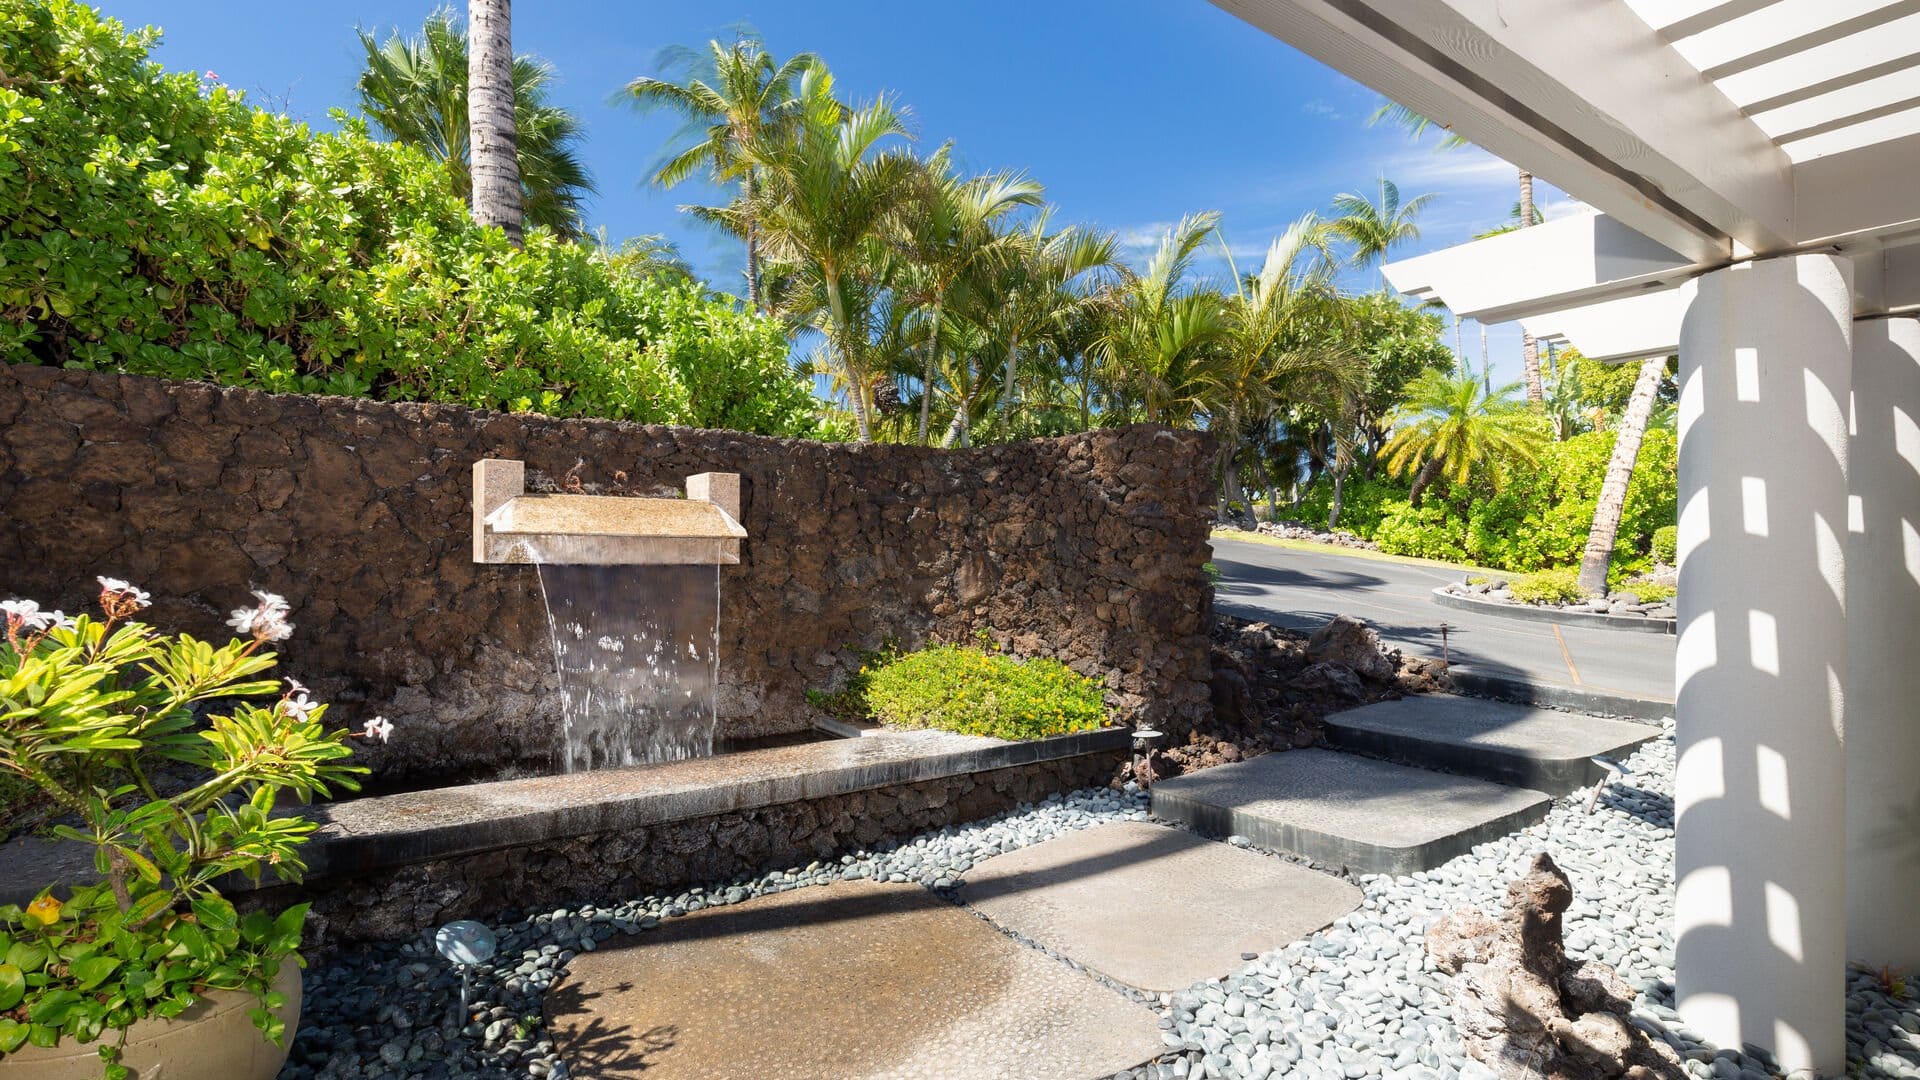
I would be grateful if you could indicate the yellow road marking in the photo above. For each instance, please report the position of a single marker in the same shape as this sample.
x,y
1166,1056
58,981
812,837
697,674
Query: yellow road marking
x,y
1565,655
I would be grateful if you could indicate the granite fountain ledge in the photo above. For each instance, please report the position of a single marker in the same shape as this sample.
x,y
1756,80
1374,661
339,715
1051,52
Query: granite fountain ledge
x,y
361,836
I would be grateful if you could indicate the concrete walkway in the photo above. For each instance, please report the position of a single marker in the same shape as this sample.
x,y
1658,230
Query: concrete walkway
x,y
853,980
1152,907
1302,589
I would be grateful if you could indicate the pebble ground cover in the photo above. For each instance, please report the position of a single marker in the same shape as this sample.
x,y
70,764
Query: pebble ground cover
x,y
1358,999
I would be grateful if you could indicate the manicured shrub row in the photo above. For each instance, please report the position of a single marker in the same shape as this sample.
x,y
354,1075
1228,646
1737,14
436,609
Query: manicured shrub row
x,y
155,223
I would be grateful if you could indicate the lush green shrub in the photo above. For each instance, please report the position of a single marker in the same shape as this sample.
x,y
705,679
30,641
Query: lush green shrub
x,y
1649,592
155,223
1556,586
1666,544
1430,532
971,691
1538,519
92,710
1364,504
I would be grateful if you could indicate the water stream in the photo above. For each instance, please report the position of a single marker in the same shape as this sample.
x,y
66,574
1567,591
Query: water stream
x,y
637,649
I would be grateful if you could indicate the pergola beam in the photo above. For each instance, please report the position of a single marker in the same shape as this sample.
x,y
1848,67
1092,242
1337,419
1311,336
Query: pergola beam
x,y
1664,151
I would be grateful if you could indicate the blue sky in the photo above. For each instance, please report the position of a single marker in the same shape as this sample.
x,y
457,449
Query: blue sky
x,y
1132,112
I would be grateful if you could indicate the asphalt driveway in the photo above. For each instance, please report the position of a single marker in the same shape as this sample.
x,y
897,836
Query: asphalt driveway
x,y
1302,589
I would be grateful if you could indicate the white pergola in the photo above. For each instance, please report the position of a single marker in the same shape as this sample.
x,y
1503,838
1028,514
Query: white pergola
x,y
1755,168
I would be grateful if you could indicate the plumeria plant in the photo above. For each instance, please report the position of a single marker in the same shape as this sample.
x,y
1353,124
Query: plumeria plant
x,y
169,756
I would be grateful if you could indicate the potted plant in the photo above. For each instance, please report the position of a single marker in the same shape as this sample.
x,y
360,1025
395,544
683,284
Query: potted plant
x,y
168,756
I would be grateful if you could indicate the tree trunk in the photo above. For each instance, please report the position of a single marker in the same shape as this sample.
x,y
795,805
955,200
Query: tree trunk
x,y
856,382
1529,348
495,163
753,248
1613,492
933,365
1230,489
1339,494
1006,380
1421,479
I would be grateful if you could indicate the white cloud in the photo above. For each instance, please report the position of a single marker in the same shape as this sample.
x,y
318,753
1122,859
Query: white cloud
x,y
1323,108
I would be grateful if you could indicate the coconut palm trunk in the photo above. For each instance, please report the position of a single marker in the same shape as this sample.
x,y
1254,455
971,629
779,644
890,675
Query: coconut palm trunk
x,y
753,248
1529,348
1423,479
926,382
1613,491
490,131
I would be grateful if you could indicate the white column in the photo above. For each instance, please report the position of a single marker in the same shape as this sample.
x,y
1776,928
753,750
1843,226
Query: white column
x,y
1765,369
1883,672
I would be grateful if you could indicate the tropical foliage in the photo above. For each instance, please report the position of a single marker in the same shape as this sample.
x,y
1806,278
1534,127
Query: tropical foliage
x,y
169,757
154,223
414,90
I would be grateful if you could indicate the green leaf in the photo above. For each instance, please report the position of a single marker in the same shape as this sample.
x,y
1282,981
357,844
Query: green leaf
x,y
28,956
93,970
12,1034
13,986
215,913
52,1008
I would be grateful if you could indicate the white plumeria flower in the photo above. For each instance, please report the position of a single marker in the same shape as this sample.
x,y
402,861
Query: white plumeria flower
x,y
379,728
61,620
23,613
125,591
299,707
264,622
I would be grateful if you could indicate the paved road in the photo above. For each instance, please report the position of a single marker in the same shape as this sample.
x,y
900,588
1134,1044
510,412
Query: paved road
x,y
1302,589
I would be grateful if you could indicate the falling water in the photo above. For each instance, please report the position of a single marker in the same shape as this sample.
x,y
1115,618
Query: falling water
x,y
638,653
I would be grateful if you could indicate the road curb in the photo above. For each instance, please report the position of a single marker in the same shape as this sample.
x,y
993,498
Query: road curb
x,y
1627,624
1469,680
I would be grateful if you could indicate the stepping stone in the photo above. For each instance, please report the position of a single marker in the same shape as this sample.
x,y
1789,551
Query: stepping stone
x,y
1344,810
1509,744
1153,907
850,980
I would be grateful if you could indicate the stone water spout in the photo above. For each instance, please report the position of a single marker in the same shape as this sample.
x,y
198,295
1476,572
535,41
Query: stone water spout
x,y
511,526
636,651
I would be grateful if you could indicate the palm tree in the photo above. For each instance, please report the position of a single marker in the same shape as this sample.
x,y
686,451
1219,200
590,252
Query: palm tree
x,y
1613,490
1282,345
1525,215
1451,424
493,157
1034,289
946,236
1373,227
731,97
826,194
1160,344
415,90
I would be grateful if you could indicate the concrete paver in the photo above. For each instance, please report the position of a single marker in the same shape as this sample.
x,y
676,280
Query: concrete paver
x,y
1153,907
1543,749
852,980
1342,810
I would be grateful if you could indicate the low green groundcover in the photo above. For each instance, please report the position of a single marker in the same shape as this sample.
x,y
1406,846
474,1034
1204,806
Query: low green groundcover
x,y
971,691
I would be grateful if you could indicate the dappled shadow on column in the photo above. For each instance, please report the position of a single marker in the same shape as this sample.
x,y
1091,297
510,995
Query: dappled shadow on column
x,y
1883,613
1765,373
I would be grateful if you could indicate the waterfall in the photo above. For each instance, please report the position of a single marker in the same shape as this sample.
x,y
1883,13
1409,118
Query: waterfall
x,y
637,649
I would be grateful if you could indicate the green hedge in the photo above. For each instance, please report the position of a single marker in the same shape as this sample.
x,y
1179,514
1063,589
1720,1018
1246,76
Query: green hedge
x,y
1666,544
1537,520
155,223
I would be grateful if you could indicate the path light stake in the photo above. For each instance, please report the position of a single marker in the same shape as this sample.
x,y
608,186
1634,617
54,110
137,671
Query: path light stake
x,y
1143,740
1614,769
1445,658
465,943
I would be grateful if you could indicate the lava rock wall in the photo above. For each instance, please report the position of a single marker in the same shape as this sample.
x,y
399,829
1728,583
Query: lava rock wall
x,y
1087,548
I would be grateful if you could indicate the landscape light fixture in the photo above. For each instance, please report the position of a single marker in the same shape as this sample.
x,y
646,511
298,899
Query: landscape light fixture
x,y
1614,770
465,943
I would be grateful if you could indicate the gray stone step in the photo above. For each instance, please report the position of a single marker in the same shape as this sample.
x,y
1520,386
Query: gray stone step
x,y
1509,744
1343,810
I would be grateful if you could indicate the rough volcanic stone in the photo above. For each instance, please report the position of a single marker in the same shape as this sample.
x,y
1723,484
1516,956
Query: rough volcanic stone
x,y
1087,549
